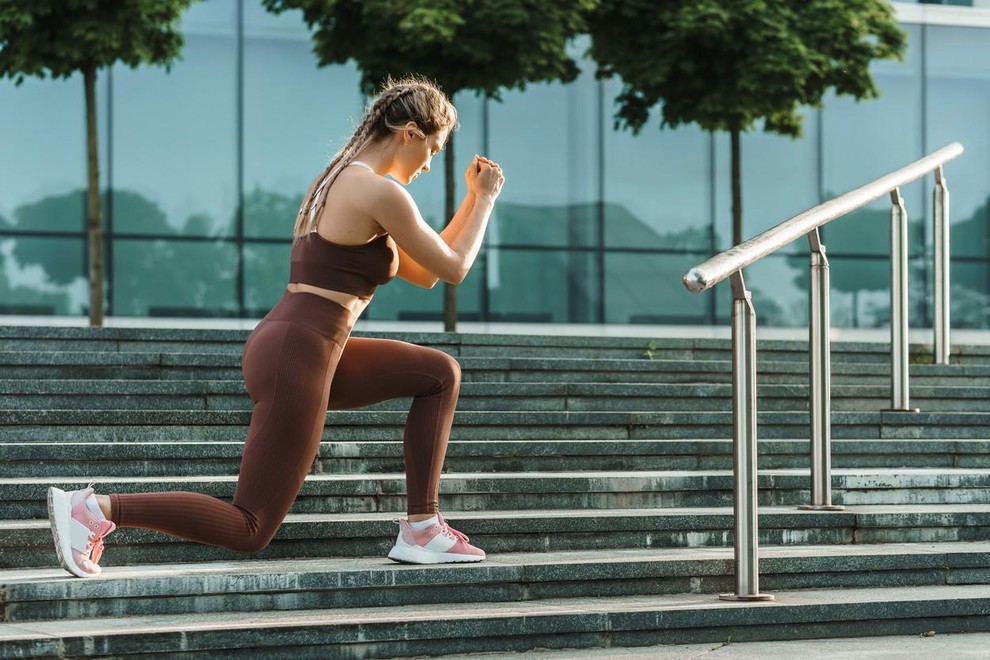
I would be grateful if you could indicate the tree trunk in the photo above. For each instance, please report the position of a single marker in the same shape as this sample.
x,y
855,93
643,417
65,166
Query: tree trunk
x,y
737,233
94,211
449,290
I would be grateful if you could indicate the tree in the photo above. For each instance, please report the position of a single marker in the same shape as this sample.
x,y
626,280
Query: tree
x,y
484,46
59,38
729,64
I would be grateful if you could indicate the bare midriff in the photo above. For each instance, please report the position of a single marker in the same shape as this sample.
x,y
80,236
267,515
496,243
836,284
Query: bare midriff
x,y
354,304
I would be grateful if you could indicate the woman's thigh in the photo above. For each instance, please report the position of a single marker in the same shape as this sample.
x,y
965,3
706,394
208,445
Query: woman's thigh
x,y
374,370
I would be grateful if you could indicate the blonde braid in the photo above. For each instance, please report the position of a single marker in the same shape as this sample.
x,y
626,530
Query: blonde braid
x,y
375,125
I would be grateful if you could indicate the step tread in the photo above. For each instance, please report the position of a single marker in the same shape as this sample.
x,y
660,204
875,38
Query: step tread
x,y
508,517
249,566
528,614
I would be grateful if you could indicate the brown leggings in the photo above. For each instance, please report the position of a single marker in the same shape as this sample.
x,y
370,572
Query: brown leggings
x,y
289,362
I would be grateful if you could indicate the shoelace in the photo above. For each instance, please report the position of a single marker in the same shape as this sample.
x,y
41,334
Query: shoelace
x,y
451,531
95,547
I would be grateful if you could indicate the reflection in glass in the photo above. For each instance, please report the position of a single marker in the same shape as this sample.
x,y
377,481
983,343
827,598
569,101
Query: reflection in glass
x,y
175,139
657,183
860,295
779,179
174,278
545,286
646,288
863,141
968,297
546,139
40,276
959,111
43,133
266,272
573,225
296,116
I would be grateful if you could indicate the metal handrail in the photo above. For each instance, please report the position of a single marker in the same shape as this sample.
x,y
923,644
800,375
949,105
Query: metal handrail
x,y
729,265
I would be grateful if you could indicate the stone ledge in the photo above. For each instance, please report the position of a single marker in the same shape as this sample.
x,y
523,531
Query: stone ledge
x,y
361,582
569,622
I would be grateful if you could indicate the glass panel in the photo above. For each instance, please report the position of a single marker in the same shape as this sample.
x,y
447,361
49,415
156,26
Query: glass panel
x,y
545,286
546,139
43,276
402,301
665,204
646,288
779,284
855,152
175,138
59,212
969,296
860,294
174,278
958,111
43,159
266,272
867,232
316,110
779,180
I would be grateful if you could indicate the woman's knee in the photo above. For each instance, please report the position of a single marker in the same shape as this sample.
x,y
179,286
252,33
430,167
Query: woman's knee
x,y
445,368
252,543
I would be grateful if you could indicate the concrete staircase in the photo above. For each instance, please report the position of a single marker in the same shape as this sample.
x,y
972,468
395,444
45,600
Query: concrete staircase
x,y
596,472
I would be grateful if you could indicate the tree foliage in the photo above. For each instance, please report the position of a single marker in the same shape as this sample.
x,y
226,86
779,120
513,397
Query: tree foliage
x,y
479,45
728,64
58,38
718,62
484,46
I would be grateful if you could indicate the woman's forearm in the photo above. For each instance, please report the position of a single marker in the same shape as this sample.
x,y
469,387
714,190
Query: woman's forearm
x,y
466,231
456,224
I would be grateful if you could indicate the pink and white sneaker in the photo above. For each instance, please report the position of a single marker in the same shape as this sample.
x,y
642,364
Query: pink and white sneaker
x,y
78,532
439,544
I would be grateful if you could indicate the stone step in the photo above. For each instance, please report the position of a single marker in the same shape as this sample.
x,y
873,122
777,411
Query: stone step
x,y
252,585
434,629
28,543
155,459
23,338
221,366
353,493
101,394
347,425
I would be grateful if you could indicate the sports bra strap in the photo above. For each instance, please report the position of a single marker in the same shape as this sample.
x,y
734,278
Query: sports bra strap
x,y
361,163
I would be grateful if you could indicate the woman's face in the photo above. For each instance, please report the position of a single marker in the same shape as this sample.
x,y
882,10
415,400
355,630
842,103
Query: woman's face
x,y
416,153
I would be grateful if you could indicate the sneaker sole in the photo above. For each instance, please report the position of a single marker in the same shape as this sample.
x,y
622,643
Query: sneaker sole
x,y
414,555
60,515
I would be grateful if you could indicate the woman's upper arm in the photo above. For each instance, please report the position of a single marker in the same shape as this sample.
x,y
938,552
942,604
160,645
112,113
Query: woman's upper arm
x,y
395,210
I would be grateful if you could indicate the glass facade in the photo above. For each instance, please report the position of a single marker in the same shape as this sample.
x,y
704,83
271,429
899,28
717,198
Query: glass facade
x,y
204,167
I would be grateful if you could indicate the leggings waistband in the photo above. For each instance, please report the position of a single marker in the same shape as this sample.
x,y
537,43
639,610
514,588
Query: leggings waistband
x,y
324,316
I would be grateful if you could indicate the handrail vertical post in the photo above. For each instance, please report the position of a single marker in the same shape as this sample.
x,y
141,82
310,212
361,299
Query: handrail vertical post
x,y
899,303
820,368
942,259
744,446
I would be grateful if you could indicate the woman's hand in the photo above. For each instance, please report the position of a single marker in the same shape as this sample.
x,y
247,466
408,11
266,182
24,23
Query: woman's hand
x,y
484,177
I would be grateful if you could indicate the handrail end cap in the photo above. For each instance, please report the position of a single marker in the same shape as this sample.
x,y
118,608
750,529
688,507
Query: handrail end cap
x,y
694,280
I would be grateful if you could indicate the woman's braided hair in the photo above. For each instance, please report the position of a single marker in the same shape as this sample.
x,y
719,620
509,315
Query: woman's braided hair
x,y
400,101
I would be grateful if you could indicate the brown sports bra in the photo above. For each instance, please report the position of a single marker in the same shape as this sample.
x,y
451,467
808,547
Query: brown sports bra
x,y
354,269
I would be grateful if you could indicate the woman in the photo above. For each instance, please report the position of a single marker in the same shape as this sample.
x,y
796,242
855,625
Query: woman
x,y
355,230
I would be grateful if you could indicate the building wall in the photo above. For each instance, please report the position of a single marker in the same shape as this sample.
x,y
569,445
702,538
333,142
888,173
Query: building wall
x,y
205,167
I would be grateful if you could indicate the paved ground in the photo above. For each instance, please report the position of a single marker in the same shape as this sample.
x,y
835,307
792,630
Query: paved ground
x,y
945,647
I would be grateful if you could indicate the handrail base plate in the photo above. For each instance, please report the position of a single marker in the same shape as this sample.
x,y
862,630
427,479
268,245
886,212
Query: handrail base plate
x,y
757,597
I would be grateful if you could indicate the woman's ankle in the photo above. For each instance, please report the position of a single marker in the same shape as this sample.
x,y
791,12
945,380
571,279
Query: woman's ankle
x,y
104,502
